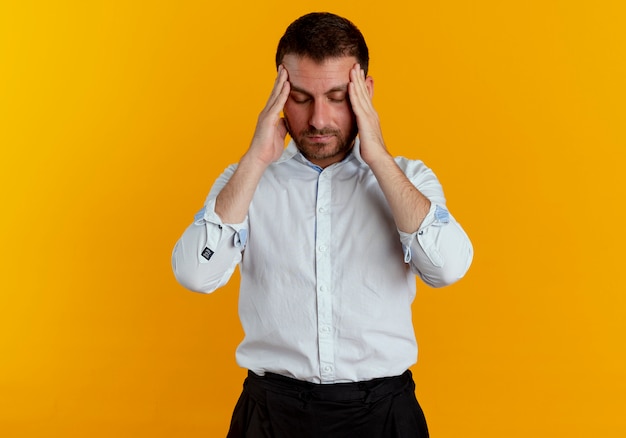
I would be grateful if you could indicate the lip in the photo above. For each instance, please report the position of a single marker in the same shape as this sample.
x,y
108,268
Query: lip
x,y
319,138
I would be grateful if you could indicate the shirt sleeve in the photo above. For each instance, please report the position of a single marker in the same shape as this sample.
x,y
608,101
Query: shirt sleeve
x,y
206,255
440,251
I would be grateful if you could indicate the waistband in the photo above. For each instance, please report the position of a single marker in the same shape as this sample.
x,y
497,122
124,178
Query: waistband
x,y
367,391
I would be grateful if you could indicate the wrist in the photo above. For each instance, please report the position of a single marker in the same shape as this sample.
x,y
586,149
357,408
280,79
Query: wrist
x,y
378,158
253,162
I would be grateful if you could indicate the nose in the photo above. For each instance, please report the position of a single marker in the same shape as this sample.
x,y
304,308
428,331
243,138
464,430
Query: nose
x,y
320,114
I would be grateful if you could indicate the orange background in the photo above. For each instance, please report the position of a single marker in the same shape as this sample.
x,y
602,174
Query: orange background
x,y
116,116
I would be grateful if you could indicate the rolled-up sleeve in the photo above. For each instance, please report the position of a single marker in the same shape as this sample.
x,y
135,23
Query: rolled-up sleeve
x,y
206,255
439,252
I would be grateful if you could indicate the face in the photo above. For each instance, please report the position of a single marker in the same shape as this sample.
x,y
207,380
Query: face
x,y
318,112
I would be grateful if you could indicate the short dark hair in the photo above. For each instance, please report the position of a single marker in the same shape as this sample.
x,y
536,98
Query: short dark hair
x,y
322,35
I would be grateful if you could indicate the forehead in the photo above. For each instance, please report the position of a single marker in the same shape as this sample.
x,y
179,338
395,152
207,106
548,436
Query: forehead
x,y
307,74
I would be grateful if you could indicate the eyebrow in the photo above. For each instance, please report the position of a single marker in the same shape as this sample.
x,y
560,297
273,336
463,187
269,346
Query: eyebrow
x,y
339,88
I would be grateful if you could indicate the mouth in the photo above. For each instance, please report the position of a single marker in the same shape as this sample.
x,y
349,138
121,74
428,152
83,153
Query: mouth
x,y
319,139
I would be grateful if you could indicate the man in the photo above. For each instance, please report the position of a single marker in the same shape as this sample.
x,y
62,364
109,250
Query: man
x,y
328,235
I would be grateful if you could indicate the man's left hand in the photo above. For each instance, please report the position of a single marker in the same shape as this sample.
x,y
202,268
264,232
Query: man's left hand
x,y
361,89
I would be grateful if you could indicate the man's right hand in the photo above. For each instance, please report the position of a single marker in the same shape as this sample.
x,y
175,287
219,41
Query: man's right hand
x,y
269,136
268,143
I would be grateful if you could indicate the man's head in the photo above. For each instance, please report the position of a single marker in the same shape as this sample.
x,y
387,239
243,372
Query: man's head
x,y
318,51
322,35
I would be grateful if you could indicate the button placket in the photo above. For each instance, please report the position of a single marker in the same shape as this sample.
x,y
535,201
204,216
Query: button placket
x,y
323,277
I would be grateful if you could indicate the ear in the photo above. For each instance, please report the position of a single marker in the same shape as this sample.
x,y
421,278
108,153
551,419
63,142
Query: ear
x,y
369,84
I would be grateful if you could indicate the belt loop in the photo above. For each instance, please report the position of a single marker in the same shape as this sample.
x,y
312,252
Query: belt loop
x,y
367,398
305,397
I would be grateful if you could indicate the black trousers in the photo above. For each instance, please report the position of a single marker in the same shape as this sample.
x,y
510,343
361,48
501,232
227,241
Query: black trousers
x,y
274,406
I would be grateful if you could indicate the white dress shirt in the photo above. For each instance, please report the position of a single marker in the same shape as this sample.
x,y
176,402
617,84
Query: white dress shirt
x,y
327,280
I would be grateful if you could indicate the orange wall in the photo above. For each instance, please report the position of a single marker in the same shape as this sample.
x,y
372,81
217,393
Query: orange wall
x,y
116,116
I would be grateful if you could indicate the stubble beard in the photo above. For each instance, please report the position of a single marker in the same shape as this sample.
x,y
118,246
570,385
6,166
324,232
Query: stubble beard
x,y
321,151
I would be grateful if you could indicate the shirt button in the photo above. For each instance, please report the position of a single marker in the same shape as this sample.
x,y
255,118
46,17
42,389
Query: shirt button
x,y
328,368
322,288
322,248
322,210
326,329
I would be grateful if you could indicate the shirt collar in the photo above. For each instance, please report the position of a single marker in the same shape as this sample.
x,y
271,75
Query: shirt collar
x,y
357,151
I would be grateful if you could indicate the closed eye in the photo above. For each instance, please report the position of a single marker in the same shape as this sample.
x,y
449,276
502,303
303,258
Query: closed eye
x,y
298,97
338,96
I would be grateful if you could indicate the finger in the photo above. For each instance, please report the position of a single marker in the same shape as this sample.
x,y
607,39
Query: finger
x,y
362,86
359,80
358,91
278,88
281,98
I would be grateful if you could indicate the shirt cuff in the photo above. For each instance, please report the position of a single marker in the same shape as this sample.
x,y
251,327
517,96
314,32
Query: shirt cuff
x,y
216,230
426,236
